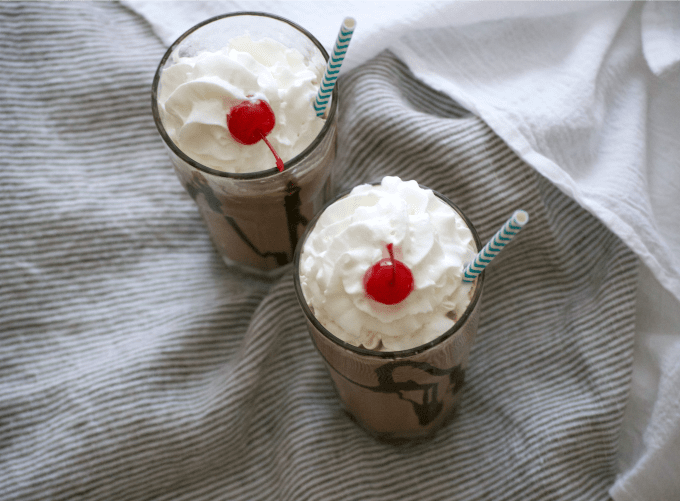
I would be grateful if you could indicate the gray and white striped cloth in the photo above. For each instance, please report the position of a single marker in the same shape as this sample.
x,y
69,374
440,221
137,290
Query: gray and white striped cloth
x,y
135,366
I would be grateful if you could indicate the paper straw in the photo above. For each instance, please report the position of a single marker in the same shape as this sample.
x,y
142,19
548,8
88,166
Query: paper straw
x,y
333,66
502,238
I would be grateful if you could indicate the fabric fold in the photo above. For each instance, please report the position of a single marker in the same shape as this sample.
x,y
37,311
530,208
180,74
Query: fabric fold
x,y
135,365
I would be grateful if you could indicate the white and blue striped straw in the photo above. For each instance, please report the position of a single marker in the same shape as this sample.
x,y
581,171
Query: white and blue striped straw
x,y
333,66
502,238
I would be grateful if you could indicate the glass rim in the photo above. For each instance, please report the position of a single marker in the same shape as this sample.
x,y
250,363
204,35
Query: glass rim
x,y
479,283
273,171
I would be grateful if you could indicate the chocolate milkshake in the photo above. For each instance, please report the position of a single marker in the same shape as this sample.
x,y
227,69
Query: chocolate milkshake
x,y
378,275
233,101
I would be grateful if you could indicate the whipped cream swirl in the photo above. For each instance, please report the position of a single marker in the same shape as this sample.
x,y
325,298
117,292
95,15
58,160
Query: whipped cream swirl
x,y
351,235
197,92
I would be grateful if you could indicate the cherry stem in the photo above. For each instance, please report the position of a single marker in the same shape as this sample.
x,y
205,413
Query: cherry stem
x,y
279,162
390,250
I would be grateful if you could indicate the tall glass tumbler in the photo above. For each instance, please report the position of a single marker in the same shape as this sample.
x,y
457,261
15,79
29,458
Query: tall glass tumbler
x,y
398,395
255,219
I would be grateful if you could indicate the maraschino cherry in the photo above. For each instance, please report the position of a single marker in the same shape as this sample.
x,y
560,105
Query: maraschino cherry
x,y
388,281
250,121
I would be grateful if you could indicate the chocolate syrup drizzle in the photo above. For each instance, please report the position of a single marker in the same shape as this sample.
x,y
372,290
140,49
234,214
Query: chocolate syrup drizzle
x,y
294,217
291,203
430,407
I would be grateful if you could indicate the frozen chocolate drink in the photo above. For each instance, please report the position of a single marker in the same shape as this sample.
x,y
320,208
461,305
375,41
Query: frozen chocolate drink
x,y
379,276
233,101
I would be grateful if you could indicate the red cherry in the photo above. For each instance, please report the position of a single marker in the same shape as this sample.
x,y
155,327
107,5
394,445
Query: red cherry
x,y
250,121
388,281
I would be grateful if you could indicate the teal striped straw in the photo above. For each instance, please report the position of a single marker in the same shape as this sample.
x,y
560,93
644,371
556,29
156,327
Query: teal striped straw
x,y
333,66
502,238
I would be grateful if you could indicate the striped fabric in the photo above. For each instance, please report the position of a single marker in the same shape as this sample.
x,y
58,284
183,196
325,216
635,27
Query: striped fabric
x,y
135,366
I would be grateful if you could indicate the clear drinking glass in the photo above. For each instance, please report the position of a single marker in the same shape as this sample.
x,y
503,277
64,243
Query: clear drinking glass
x,y
398,395
255,219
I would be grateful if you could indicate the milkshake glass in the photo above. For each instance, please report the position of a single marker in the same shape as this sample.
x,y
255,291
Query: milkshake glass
x,y
255,219
398,395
